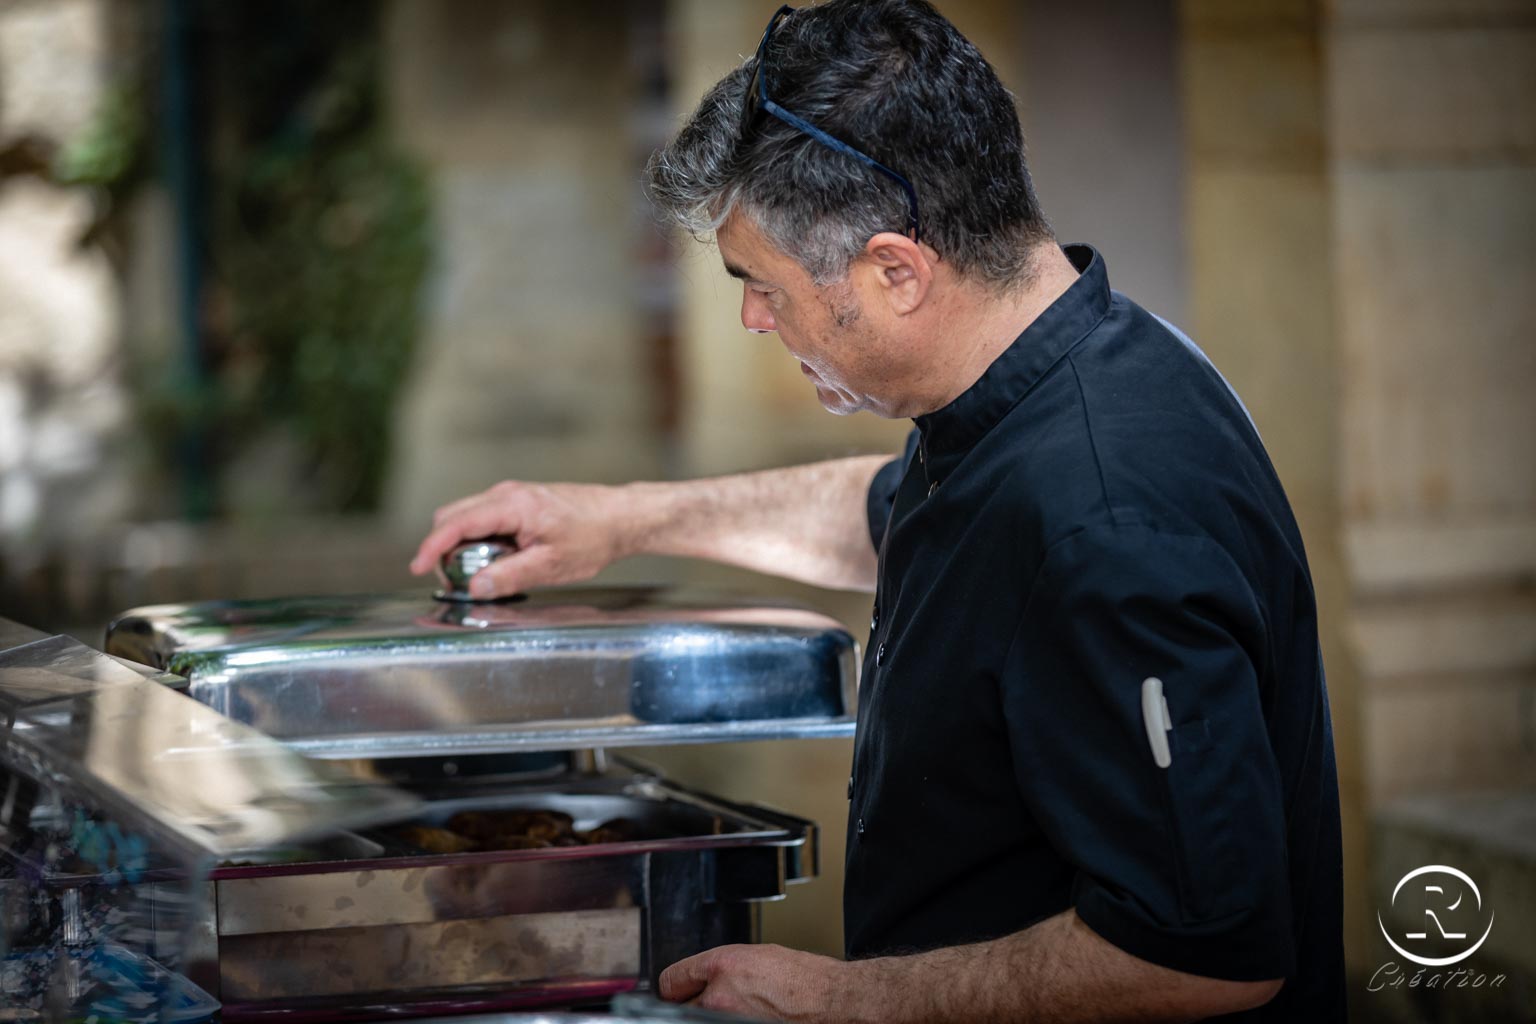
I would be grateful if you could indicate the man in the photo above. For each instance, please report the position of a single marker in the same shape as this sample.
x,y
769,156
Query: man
x,y
1083,536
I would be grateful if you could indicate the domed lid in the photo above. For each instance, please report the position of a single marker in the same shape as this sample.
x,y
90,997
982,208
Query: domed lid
x,y
561,669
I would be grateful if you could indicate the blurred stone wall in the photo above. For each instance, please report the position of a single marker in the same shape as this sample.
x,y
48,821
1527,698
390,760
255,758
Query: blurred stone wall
x,y
1432,157
531,362
1100,81
60,397
1434,216
1261,302
1362,231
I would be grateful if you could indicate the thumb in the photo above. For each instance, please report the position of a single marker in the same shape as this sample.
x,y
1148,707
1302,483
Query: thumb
x,y
684,979
512,574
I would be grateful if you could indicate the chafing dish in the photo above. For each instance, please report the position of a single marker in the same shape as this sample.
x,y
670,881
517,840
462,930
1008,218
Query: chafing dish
x,y
466,707
578,668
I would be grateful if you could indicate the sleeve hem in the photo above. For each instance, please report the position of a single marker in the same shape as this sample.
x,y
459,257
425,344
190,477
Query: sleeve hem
x,y
1233,949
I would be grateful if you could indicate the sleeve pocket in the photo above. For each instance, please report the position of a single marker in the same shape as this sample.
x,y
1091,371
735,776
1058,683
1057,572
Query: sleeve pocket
x,y
1202,794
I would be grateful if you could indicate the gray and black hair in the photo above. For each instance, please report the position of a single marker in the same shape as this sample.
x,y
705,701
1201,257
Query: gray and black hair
x,y
895,80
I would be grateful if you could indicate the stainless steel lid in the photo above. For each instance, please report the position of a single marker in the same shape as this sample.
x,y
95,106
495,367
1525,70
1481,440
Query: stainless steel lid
x,y
163,764
404,675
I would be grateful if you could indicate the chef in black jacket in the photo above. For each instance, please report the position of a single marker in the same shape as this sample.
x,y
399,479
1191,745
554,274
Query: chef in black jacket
x,y
1094,774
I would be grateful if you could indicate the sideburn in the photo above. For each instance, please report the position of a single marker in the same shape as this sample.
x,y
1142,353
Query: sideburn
x,y
844,309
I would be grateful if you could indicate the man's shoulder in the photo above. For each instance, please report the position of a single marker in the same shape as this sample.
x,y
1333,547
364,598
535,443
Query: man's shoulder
x,y
1133,426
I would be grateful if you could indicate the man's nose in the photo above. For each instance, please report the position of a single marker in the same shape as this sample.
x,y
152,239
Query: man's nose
x,y
755,314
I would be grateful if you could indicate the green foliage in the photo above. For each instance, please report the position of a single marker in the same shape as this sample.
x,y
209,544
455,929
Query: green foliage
x,y
324,263
110,150
315,246
321,244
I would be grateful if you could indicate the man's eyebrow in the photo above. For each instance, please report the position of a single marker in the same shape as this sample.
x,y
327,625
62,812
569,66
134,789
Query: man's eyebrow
x,y
736,272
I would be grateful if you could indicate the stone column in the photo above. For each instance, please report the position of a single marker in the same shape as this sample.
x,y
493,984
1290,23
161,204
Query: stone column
x,y
1434,164
532,360
1262,303
1433,160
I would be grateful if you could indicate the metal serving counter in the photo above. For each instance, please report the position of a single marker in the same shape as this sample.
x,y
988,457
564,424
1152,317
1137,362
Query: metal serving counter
x,y
117,797
197,849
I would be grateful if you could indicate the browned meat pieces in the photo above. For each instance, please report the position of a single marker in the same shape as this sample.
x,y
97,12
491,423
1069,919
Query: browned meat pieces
x,y
435,840
486,826
515,843
619,830
515,830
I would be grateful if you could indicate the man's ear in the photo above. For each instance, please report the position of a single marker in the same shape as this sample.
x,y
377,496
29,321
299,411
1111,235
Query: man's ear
x,y
902,270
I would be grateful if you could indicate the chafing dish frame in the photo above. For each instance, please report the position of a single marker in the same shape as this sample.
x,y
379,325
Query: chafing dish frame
x,y
314,940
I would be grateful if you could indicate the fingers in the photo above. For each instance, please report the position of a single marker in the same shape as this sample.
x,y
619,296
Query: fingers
x,y
454,507
469,519
517,572
685,979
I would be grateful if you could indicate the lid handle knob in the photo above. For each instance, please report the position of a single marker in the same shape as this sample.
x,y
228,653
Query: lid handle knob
x,y
461,563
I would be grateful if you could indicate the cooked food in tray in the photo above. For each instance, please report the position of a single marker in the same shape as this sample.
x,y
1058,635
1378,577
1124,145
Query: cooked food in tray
x,y
488,826
433,840
515,829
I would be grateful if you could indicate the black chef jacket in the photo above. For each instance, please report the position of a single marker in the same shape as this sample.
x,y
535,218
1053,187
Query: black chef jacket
x,y
1097,509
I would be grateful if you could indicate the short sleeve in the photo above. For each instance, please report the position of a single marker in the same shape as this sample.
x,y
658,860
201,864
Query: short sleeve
x,y
1184,866
882,490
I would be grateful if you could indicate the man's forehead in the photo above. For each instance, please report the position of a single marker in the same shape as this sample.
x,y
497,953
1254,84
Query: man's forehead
x,y
734,241
747,255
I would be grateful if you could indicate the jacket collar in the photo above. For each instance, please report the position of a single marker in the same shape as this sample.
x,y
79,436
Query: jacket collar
x,y
955,429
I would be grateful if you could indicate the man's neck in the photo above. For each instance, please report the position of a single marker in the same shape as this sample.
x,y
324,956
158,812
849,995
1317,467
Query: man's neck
x,y
977,324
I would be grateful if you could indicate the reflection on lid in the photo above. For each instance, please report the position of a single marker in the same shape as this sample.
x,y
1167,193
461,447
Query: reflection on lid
x,y
136,744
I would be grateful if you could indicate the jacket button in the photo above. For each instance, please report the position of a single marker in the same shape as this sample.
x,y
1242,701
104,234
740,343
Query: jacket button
x,y
874,619
850,787
880,655
861,826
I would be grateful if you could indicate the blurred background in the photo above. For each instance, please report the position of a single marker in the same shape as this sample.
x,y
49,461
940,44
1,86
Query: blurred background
x,y
278,278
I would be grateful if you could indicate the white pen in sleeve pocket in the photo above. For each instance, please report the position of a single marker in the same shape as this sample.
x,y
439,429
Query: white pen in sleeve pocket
x,y
1155,716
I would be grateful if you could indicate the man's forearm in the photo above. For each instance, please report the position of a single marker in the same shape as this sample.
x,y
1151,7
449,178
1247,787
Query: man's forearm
x,y
805,522
1055,972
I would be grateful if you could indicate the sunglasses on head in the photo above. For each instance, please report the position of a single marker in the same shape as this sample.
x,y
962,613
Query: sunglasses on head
x,y
756,99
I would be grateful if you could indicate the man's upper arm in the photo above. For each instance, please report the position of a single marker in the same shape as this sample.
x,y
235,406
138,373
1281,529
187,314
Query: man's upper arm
x,y
1183,866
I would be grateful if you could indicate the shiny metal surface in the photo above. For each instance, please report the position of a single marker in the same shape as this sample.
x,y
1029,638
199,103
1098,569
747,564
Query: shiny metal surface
x,y
642,1006
503,928
638,1007
303,920
380,677
14,634
460,565
167,763
503,952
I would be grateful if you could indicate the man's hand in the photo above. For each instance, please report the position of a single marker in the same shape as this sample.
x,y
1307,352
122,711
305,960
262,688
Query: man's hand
x,y
1057,971
565,533
803,522
768,983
